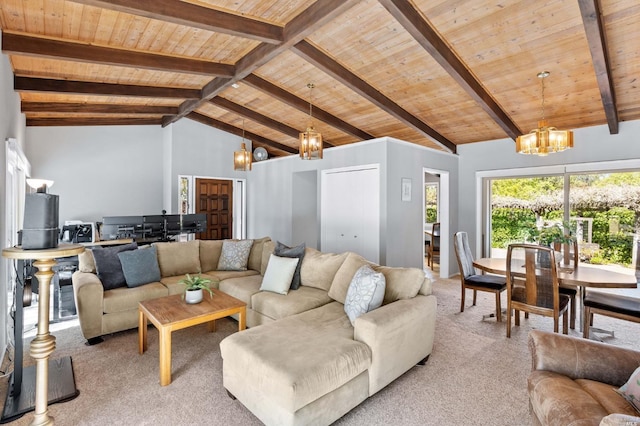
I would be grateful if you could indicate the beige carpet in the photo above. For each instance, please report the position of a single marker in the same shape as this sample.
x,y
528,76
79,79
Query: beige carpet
x,y
475,376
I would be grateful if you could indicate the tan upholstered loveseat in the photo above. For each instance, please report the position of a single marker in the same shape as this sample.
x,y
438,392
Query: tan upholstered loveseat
x,y
572,381
306,363
103,311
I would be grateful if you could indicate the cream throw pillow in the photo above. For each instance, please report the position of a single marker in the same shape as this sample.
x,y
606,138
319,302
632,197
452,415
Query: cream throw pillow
x,y
279,273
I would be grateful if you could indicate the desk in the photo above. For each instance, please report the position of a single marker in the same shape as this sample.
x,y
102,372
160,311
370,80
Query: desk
x,y
581,277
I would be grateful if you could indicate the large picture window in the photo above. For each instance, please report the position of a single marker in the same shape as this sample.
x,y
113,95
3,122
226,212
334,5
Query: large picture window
x,y
601,210
431,205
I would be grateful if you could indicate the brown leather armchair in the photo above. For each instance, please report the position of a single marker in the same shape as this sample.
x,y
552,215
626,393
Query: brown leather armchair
x,y
573,380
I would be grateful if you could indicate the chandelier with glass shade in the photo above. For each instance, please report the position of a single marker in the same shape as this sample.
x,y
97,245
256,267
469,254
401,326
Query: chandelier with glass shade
x,y
544,139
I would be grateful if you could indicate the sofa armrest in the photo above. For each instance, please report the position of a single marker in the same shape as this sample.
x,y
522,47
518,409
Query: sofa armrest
x,y
89,294
399,334
579,358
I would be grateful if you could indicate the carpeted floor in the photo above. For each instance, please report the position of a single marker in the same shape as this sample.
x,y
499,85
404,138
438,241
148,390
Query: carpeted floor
x,y
475,375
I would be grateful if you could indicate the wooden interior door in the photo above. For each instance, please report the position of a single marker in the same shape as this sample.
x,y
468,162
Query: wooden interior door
x,y
214,197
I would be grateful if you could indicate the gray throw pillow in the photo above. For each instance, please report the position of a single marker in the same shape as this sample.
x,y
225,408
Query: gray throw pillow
x,y
235,255
108,265
140,266
298,252
365,293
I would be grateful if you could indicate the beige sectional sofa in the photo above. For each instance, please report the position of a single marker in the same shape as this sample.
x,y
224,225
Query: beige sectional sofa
x,y
102,312
307,364
301,361
573,381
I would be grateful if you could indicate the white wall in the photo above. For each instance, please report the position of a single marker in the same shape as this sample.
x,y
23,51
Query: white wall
x,y
100,170
12,125
591,145
200,150
270,200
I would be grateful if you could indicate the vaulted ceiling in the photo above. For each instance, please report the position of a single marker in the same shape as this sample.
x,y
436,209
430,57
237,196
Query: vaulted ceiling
x,y
437,73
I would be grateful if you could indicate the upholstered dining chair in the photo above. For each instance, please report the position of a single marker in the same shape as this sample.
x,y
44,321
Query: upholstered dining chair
x,y
434,247
624,305
570,291
532,285
469,279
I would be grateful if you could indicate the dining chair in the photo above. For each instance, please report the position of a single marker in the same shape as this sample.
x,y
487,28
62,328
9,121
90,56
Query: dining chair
x,y
624,305
569,290
469,279
434,247
532,285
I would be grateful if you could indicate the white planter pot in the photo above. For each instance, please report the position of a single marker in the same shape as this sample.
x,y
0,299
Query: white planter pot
x,y
193,296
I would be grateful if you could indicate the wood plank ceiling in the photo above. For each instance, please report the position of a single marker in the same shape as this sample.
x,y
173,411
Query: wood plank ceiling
x,y
437,73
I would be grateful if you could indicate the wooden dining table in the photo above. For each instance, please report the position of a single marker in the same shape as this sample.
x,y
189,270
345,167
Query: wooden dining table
x,y
582,277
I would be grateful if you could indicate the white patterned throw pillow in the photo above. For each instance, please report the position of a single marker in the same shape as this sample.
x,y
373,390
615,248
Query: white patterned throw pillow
x,y
365,293
235,255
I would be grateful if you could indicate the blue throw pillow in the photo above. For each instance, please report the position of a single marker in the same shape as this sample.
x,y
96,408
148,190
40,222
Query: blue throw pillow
x,y
108,265
140,266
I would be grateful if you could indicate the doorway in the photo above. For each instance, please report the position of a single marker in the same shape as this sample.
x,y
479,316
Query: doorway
x,y
436,208
214,197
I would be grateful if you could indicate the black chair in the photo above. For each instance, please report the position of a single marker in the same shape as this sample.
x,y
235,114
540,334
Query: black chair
x,y
434,247
469,279
532,285
570,291
624,305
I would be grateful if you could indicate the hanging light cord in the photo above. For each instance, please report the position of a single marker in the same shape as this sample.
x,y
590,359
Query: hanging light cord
x,y
310,86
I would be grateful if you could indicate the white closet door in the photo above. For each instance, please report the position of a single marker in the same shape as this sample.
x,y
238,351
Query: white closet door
x,y
350,211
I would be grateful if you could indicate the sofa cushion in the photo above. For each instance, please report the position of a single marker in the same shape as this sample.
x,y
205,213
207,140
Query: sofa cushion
x,y
326,358
344,275
210,254
174,286
558,400
277,306
86,262
631,390
140,266
126,299
255,255
267,250
365,293
179,258
235,255
108,265
297,252
242,288
318,269
607,396
279,274
401,283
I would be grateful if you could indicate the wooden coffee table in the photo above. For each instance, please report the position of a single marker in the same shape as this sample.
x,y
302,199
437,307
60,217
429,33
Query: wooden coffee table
x,y
171,313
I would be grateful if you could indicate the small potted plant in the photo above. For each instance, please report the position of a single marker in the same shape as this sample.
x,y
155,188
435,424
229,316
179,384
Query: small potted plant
x,y
193,288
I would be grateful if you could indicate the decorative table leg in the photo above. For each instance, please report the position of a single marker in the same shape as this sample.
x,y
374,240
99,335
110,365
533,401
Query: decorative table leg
x,y
43,345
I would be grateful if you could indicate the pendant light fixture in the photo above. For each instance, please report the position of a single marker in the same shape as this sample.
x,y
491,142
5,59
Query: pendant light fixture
x,y
310,140
544,139
242,158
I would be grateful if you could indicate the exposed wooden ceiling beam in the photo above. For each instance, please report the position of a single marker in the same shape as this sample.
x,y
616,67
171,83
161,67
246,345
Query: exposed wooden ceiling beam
x,y
201,118
88,121
594,29
311,19
31,84
323,62
21,44
259,118
404,12
77,107
302,105
192,15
